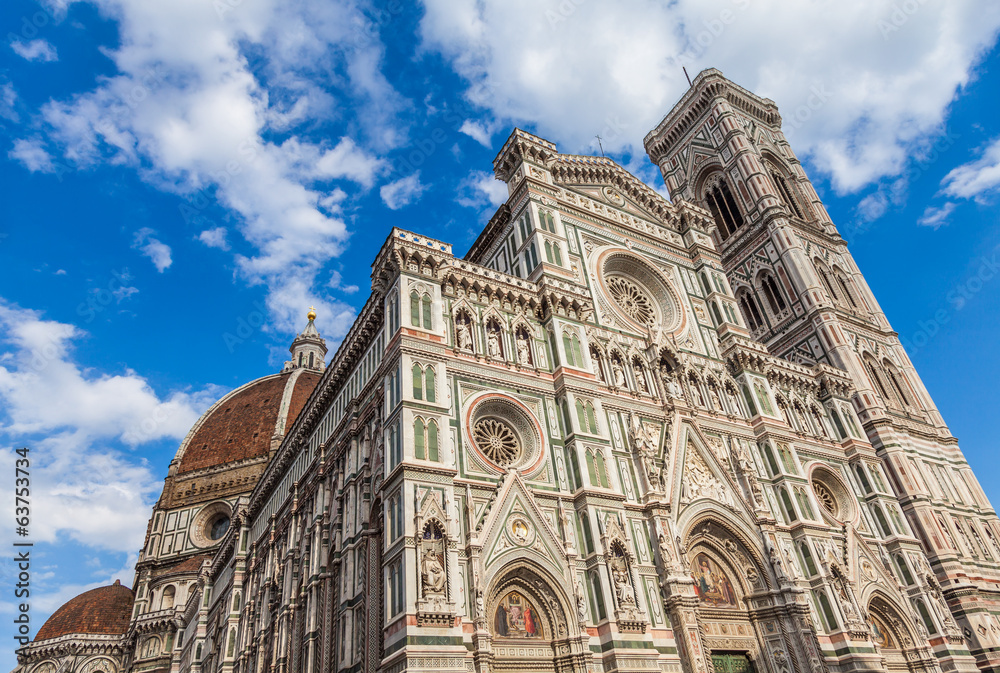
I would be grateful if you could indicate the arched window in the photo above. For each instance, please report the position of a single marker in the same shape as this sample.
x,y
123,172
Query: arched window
x,y
751,314
786,503
429,379
704,283
925,616
414,308
418,382
581,416
425,303
724,209
591,418
768,452
904,571
419,438
167,601
548,252
716,314
846,286
557,254
586,535
786,194
824,275
897,386
432,441
773,294
829,617
876,376
597,595
807,559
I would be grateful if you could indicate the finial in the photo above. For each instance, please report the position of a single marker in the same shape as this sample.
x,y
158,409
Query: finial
x,y
312,314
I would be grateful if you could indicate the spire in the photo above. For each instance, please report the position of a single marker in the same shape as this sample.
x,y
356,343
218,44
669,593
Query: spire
x,y
308,349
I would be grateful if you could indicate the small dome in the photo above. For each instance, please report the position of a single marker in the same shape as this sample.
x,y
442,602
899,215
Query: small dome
x,y
240,425
101,611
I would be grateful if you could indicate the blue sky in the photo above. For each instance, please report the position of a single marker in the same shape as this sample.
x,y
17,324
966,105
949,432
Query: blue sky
x,y
173,171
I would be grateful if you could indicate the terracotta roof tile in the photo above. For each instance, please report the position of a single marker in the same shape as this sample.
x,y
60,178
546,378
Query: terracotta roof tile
x,y
241,428
104,611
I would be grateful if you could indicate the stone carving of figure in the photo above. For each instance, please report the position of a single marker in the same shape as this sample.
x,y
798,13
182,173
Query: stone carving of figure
x,y
463,333
746,467
493,342
480,605
581,602
432,573
776,563
644,444
626,595
640,381
523,349
619,375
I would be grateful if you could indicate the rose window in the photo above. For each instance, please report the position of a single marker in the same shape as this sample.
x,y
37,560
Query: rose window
x,y
825,497
497,440
631,299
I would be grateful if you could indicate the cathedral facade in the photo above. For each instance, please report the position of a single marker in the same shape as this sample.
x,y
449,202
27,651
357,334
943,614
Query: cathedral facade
x,y
621,434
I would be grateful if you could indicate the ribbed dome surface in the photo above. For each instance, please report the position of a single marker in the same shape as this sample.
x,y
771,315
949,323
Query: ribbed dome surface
x,y
240,426
102,611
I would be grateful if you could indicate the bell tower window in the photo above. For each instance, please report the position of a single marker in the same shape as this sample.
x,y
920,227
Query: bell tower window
x,y
786,194
723,206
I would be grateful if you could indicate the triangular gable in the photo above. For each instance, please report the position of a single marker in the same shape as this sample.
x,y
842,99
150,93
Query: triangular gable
x,y
700,475
515,524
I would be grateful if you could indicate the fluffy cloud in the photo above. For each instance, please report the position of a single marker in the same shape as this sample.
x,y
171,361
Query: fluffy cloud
x,y
977,178
936,217
35,50
32,154
152,247
861,83
481,189
219,98
214,238
74,419
402,192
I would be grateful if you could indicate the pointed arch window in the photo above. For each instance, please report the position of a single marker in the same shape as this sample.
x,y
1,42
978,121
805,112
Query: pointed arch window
x,y
425,304
773,294
845,286
429,381
425,439
418,382
896,385
557,254
786,503
807,559
548,252
786,194
724,209
829,617
751,314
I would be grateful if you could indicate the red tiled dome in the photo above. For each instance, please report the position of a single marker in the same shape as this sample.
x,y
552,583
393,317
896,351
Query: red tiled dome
x,y
241,424
102,611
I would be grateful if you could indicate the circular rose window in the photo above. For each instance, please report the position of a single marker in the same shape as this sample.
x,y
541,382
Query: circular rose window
x,y
497,440
631,299
504,433
637,292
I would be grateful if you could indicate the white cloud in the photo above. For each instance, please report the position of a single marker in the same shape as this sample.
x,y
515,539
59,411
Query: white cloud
x,y
478,131
152,247
481,189
221,98
936,217
8,98
856,100
976,178
36,50
32,154
402,192
214,238
70,416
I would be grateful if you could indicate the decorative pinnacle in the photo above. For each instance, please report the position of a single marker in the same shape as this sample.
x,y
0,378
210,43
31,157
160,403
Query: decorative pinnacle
x,y
312,314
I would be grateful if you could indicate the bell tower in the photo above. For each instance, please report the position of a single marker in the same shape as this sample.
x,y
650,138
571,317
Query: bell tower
x,y
800,293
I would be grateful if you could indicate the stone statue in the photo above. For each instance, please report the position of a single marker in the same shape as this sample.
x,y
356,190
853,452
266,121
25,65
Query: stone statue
x,y
464,334
432,574
493,342
581,602
619,375
523,349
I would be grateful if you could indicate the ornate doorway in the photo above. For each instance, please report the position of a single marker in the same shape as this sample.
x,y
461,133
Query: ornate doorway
x,y
527,623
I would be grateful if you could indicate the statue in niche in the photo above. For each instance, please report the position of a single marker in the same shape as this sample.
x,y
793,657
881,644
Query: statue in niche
x,y
523,348
619,374
620,575
463,332
581,602
644,444
493,348
432,573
